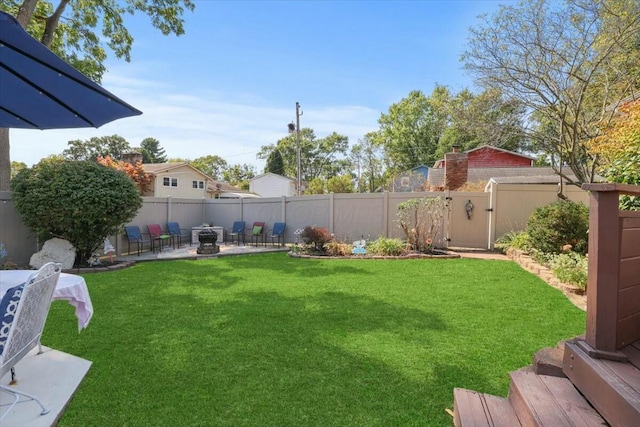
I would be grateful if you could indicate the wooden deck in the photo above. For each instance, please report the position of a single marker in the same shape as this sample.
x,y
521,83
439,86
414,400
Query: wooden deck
x,y
602,369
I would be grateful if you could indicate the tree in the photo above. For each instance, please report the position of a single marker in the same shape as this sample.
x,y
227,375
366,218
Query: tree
x,y
152,152
275,164
76,41
619,148
559,60
319,156
82,202
113,146
211,165
367,161
486,118
17,167
135,172
340,184
316,186
239,175
410,132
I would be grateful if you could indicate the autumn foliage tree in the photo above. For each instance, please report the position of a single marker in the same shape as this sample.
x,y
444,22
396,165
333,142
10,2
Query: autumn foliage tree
x,y
135,171
618,147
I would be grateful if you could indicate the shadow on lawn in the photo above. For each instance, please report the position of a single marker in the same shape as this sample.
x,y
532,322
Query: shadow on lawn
x,y
258,358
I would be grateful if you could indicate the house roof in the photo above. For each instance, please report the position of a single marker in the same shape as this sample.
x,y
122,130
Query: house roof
x,y
501,150
156,168
439,163
272,174
527,179
436,176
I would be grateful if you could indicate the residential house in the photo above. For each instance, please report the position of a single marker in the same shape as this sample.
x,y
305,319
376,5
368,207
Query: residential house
x,y
412,180
181,180
272,185
481,164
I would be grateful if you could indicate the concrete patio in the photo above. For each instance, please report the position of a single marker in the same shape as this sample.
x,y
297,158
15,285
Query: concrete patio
x,y
190,252
53,377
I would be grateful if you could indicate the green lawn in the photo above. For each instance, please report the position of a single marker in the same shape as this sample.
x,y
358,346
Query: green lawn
x,y
268,340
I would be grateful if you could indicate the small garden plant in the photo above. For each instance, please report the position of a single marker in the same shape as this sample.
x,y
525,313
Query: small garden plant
x,y
420,220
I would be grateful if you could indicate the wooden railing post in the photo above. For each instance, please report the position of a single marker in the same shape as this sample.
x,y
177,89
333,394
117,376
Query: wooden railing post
x,y
604,261
604,268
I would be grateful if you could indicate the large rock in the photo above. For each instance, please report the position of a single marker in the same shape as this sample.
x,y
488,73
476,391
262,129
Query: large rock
x,y
55,250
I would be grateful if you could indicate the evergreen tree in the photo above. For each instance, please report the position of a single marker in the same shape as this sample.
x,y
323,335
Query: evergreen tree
x,y
275,164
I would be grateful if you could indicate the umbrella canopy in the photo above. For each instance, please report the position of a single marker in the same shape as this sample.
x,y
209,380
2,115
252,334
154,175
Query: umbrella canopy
x,y
38,90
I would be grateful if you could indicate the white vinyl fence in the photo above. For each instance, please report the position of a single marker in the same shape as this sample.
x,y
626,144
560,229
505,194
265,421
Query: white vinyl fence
x,y
503,208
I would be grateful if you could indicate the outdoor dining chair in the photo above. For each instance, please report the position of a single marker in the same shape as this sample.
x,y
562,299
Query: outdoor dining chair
x,y
237,232
23,312
135,236
156,235
277,234
173,228
258,232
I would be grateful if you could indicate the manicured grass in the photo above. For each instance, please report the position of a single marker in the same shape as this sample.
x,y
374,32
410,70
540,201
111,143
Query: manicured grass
x,y
267,340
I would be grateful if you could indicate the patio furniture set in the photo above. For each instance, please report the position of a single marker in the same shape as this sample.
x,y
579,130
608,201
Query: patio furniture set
x,y
159,239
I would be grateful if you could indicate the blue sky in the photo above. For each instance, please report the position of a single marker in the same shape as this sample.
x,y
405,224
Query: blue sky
x,y
230,84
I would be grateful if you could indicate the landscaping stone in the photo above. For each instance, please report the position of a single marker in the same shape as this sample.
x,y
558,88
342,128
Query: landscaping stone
x,y
54,250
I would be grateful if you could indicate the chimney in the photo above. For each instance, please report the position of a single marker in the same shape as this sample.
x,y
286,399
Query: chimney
x,y
132,157
456,167
456,148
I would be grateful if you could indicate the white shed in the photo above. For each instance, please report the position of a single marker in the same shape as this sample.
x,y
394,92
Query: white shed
x,y
272,185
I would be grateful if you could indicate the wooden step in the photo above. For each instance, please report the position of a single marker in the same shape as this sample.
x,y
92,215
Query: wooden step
x,y
473,409
546,401
613,388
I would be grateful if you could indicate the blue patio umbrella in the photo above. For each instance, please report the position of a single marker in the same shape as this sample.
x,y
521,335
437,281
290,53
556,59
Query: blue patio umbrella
x,y
38,90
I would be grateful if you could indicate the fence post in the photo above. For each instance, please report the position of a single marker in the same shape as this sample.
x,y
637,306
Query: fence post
x,y
283,207
493,195
446,219
385,212
331,212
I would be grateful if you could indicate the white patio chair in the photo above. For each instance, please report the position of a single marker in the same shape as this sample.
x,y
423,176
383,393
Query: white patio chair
x,y
23,312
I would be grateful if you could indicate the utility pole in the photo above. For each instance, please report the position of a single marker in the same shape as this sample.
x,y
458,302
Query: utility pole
x,y
296,127
298,114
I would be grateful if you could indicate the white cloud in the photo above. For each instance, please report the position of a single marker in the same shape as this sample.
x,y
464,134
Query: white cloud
x,y
190,125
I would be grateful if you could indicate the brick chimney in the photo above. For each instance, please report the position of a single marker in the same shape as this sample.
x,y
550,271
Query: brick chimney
x,y
456,167
132,157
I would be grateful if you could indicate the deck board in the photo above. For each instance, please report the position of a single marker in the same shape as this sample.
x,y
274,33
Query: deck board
x,y
474,409
611,387
633,353
542,400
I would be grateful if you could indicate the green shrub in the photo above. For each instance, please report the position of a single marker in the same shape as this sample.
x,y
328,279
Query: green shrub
x,y
570,267
386,246
558,224
515,240
82,202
